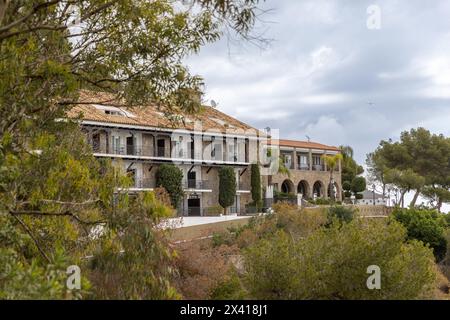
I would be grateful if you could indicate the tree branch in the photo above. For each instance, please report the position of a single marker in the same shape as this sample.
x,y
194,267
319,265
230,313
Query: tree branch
x,y
56,214
36,242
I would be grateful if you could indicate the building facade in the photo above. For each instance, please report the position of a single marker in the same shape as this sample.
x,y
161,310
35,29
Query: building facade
x,y
139,140
308,172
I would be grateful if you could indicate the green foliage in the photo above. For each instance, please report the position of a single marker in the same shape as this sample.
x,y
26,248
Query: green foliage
x,y
227,187
347,185
256,184
58,204
358,185
229,289
214,210
341,214
136,261
282,195
350,169
321,202
427,226
332,264
170,178
420,161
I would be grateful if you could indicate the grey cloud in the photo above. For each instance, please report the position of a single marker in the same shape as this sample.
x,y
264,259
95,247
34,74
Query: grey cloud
x,y
324,65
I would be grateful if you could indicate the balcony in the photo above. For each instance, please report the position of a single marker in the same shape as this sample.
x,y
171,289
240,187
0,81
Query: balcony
x,y
196,184
166,153
318,167
145,183
303,167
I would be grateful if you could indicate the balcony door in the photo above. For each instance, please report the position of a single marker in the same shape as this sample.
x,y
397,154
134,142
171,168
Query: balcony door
x,y
131,142
161,143
192,176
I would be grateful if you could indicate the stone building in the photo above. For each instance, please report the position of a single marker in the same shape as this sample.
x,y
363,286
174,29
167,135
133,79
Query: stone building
x,y
139,140
309,175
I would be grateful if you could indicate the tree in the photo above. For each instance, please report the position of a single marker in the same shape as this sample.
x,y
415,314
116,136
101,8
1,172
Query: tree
x,y
422,158
256,185
347,187
424,225
406,180
170,178
376,169
332,162
350,169
227,187
53,192
437,195
358,185
332,264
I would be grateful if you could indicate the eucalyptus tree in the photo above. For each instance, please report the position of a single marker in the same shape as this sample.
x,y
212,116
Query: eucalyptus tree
x,y
53,193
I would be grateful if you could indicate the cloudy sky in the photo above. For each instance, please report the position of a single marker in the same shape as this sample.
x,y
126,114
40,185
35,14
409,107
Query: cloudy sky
x,y
328,76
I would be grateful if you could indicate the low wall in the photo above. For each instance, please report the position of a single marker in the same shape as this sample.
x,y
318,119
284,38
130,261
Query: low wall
x,y
373,211
205,230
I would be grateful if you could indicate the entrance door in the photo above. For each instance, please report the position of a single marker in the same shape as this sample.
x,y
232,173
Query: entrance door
x,y
194,207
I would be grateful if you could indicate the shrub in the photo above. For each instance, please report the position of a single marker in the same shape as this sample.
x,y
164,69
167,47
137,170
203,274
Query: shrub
x,y
227,187
425,225
229,289
332,264
214,210
321,202
170,178
202,268
358,185
347,186
340,213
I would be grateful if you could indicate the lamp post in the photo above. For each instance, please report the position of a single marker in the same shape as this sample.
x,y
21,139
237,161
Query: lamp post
x,y
373,191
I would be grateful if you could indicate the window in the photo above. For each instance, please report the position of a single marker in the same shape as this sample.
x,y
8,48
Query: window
x,y
303,162
317,160
116,147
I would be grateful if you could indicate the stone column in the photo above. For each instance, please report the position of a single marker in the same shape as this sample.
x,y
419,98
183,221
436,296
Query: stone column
x,y
324,162
310,159
295,161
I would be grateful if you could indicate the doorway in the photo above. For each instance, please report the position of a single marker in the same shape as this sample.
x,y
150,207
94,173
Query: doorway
x,y
194,207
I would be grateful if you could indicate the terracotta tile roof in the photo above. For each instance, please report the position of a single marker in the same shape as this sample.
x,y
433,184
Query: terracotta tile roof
x,y
305,144
210,118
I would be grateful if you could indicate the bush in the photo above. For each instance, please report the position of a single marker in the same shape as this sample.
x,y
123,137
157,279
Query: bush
x,y
347,186
229,289
170,178
358,185
201,268
214,210
283,195
321,202
340,213
424,225
332,264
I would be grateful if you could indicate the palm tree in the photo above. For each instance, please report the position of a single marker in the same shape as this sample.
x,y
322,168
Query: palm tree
x,y
332,162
